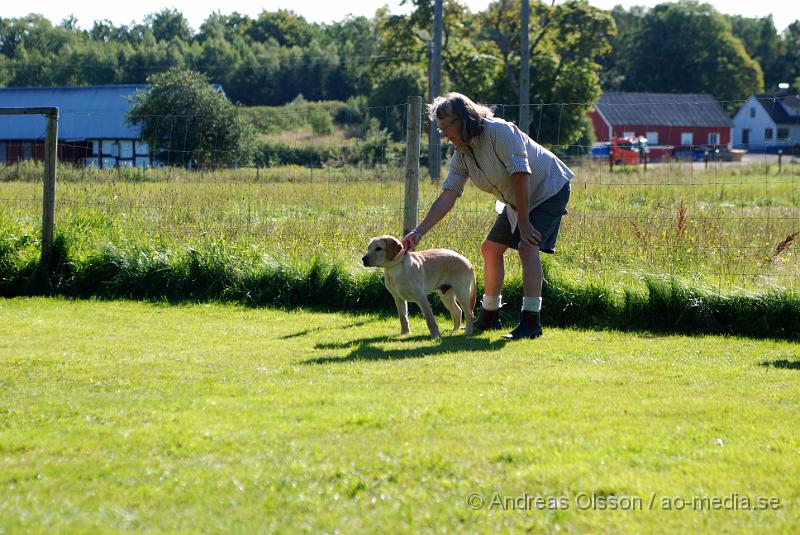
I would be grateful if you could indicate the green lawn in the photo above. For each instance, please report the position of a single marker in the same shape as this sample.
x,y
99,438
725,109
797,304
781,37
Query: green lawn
x,y
125,416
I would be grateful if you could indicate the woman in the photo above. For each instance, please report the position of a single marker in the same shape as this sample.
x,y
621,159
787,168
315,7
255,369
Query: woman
x,y
522,175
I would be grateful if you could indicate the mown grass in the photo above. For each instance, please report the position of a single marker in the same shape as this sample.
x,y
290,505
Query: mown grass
x,y
123,416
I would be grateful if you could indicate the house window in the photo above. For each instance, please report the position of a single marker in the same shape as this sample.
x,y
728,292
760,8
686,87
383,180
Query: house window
x,y
27,150
768,133
652,138
713,138
628,133
687,138
783,134
142,149
110,147
126,149
3,153
752,113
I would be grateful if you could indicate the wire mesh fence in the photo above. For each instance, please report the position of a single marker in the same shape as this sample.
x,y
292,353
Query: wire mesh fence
x,y
322,180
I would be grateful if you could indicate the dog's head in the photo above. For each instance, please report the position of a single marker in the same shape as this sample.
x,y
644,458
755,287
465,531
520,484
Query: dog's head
x,y
381,250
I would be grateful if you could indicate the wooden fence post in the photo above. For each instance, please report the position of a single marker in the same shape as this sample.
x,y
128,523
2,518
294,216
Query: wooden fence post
x,y
413,130
49,193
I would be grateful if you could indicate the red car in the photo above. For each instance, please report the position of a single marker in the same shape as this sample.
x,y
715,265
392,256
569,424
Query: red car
x,y
628,150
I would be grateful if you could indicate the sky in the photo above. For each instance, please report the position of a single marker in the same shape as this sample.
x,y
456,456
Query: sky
x,y
784,12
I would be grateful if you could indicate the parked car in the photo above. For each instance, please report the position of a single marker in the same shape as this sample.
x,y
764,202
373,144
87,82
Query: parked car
x,y
703,153
624,151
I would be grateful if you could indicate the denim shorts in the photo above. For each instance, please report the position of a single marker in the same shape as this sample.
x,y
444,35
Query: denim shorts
x,y
546,218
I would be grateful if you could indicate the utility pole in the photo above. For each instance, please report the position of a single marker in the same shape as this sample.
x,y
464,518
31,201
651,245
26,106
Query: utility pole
x,y
525,74
434,142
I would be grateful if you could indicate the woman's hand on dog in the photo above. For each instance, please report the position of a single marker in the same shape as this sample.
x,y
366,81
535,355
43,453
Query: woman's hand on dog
x,y
411,240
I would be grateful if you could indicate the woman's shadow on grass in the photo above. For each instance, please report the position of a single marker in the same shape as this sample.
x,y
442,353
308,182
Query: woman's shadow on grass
x,y
370,348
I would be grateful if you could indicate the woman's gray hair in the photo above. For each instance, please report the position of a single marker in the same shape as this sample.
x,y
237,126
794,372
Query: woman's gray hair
x,y
460,106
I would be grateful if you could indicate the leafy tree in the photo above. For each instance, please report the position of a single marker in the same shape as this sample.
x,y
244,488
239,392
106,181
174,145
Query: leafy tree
x,y
169,24
356,42
615,65
284,26
762,43
565,40
226,27
687,47
408,40
321,122
791,58
390,94
188,122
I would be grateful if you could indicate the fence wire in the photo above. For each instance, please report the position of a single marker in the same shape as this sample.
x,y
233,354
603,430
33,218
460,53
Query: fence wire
x,y
321,182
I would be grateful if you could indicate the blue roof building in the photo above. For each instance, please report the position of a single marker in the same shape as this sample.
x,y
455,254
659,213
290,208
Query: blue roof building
x,y
91,126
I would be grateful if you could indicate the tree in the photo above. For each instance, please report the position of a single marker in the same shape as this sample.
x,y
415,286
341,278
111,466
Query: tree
x,y
169,24
615,65
791,58
355,41
228,27
565,42
762,43
285,26
188,122
390,94
687,47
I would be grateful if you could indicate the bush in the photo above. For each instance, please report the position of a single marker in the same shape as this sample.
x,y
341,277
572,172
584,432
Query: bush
x,y
219,272
296,115
321,123
272,154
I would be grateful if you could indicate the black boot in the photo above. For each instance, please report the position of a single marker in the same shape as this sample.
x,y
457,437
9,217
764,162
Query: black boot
x,y
529,327
488,320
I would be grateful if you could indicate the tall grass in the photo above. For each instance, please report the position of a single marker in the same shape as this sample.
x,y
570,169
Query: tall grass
x,y
726,231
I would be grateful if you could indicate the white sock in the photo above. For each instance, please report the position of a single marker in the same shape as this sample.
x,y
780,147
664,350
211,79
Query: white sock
x,y
532,304
491,302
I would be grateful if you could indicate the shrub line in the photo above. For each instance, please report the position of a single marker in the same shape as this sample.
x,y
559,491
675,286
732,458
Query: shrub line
x,y
220,274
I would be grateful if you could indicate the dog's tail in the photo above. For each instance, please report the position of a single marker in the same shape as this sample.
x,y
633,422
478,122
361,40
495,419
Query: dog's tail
x,y
473,292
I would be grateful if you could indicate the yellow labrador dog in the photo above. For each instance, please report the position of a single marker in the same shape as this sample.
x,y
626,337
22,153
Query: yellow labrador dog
x,y
411,276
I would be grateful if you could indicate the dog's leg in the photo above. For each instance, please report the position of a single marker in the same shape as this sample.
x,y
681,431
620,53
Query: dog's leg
x,y
464,300
402,312
449,300
425,306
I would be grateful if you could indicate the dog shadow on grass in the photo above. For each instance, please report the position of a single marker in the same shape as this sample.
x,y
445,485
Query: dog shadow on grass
x,y
319,328
782,364
372,348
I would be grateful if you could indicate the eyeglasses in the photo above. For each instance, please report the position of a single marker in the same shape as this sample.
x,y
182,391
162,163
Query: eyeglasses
x,y
443,129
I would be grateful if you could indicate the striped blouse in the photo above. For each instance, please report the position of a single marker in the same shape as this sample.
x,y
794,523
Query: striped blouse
x,y
499,151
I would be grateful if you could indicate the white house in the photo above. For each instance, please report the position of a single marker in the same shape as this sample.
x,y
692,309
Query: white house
x,y
768,123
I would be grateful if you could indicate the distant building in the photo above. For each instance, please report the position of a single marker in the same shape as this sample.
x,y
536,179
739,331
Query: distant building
x,y
91,126
672,123
768,123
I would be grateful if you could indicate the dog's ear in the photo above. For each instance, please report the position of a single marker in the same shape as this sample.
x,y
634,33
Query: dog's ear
x,y
393,247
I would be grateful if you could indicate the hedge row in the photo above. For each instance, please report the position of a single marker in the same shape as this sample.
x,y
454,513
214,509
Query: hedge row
x,y
220,274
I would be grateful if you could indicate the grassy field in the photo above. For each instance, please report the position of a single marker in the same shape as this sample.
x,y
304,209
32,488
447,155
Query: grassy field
x,y
727,228
125,416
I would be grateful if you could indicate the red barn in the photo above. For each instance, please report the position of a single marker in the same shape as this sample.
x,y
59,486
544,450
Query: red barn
x,y
672,123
